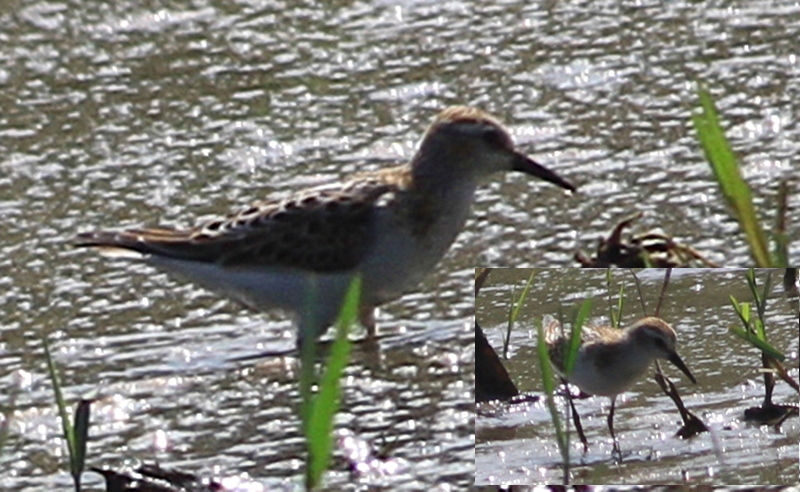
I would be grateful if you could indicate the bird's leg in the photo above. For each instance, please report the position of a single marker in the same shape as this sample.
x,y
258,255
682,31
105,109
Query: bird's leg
x,y
611,419
611,427
576,419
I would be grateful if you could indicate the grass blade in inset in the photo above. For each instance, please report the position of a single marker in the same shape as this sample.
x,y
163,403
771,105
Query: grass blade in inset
x,y
617,319
522,297
755,338
562,437
758,343
514,309
575,338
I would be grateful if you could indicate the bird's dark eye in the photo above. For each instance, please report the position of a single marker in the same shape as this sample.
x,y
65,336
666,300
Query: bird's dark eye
x,y
496,137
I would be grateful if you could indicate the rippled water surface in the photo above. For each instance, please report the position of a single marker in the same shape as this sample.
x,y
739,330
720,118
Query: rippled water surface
x,y
517,444
130,113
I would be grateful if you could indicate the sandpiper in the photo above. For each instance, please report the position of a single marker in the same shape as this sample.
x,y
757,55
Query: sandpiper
x,y
391,227
609,360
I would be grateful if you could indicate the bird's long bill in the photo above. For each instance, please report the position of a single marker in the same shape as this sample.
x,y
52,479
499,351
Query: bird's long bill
x,y
527,165
676,359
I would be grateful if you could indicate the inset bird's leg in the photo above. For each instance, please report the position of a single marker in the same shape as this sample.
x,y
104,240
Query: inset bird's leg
x,y
576,419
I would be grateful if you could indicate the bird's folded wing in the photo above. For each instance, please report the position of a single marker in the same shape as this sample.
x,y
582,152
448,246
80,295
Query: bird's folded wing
x,y
325,231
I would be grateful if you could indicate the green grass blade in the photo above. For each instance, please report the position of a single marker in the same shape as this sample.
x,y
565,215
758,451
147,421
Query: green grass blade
x,y
81,428
513,311
522,297
66,424
575,338
734,188
743,310
751,284
740,309
319,431
510,323
758,343
780,237
618,315
753,328
548,383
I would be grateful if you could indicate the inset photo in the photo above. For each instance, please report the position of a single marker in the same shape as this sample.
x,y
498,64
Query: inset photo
x,y
648,376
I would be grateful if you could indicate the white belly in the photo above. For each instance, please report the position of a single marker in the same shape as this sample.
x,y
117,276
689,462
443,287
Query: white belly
x,y
313,299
